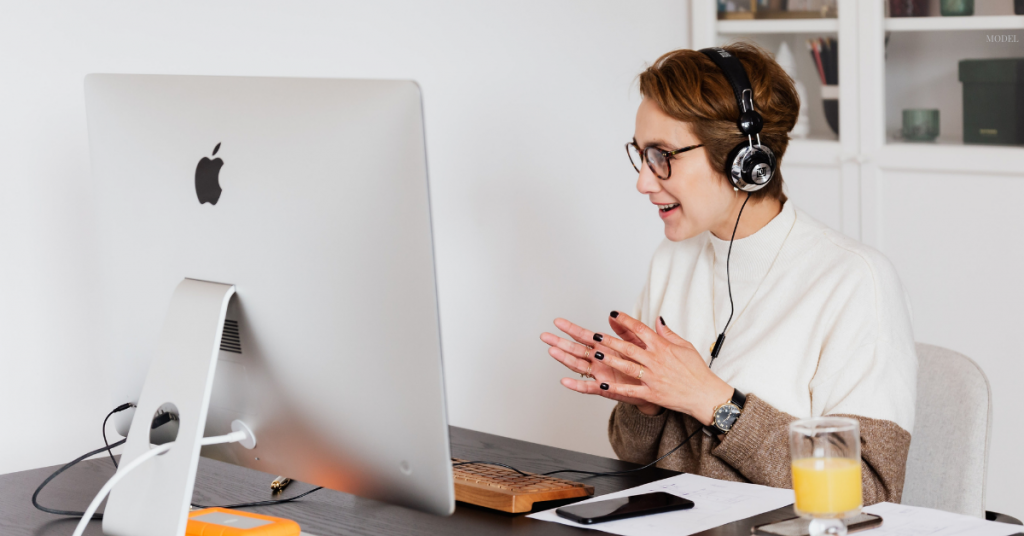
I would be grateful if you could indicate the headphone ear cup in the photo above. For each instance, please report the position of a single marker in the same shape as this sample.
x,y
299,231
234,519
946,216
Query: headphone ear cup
x,y
732,162
750,168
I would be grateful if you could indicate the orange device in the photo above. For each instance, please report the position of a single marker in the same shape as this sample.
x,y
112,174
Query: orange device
x,y
224,522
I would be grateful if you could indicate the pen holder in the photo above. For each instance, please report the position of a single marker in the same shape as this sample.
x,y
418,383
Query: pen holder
x,y
830,100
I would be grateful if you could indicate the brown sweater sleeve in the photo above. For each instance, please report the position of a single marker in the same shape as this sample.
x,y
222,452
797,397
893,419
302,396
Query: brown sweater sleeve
x,y
634,435
758,448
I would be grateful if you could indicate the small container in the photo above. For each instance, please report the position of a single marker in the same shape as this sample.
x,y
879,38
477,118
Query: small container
x,y
956,8
920,124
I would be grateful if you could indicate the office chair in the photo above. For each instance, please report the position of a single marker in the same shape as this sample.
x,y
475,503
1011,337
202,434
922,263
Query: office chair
x,y
948,460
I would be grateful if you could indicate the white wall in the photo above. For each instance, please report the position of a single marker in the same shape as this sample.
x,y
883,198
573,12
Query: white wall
x,y
527,104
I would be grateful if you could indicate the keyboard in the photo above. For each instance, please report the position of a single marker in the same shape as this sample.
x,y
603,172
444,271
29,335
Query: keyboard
x,y
499,488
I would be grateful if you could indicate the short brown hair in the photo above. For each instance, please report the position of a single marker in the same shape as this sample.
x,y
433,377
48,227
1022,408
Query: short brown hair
x,y
689,87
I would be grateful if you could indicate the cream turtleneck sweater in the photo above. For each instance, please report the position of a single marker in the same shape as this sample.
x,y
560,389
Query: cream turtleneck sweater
x,y
821,327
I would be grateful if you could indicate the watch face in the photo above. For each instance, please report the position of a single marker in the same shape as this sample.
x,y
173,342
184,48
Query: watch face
x,y
726,415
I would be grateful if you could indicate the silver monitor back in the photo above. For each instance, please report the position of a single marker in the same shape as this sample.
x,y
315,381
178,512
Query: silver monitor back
x,y
322,222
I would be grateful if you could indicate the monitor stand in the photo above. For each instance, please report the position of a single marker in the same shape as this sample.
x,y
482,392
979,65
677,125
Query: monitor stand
x,y
154,499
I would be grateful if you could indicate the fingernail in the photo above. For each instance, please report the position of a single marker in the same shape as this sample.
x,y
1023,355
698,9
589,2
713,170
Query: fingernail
x,y
604,386
598,355
662,320
615,314
598,337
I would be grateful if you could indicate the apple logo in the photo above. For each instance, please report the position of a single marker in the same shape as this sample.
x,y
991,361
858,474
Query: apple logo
x,y
208,178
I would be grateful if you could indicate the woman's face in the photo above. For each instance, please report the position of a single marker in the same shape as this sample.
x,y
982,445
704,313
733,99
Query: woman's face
x,y
698,198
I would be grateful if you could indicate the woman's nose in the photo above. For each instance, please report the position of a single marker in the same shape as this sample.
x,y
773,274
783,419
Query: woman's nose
x,y
647,182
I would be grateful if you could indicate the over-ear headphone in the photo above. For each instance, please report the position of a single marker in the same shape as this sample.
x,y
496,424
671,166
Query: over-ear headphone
x,y
749,166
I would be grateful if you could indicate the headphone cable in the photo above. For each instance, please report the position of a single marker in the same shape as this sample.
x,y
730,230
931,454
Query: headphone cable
x,y
728,280
591,473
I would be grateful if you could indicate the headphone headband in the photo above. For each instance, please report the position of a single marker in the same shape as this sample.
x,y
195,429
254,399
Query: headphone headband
x,y
748,167
734,73
749,121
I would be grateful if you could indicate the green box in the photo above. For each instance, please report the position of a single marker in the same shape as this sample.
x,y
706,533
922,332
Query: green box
x,y
993,101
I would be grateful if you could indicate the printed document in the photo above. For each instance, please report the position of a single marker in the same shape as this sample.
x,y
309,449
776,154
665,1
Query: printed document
x,y
716,502
903,520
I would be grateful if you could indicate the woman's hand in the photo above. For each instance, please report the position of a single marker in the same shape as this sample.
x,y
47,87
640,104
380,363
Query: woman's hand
x,y
672,374
579,357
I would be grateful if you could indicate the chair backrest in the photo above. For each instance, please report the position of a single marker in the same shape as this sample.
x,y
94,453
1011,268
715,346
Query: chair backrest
x,y
948,458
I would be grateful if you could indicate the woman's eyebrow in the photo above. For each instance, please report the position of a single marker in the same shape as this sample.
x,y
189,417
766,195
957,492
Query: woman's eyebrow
x,y
658,143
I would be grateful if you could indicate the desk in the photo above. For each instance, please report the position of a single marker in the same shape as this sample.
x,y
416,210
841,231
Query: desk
x,y
327,512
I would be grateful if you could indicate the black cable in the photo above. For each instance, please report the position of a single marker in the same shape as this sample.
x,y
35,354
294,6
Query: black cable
x,y
35,496
591,473
263,503
118,409
728,281
491,463
109,447
627,471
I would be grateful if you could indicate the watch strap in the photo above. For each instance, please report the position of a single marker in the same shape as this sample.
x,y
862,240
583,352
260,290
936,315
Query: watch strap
x,y
739,398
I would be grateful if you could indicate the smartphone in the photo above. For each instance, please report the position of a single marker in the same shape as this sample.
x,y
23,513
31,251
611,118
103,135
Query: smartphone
x,y
798,526
611,509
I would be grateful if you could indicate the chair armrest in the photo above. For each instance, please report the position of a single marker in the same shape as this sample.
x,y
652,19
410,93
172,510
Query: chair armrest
x,y
1002,518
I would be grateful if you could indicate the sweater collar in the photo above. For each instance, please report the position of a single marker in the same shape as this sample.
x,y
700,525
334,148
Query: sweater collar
x,y
752,255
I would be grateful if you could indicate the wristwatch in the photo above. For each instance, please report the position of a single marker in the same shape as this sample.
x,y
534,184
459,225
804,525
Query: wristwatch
x,y
726,414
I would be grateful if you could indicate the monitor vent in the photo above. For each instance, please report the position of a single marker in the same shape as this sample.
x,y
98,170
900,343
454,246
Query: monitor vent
x,y
229,340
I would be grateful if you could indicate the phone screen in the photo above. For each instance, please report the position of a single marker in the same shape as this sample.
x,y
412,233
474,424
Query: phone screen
x,y
637,505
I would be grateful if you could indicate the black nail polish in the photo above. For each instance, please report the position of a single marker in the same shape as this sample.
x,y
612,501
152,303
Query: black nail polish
x,y
604,386
598,337
615,314
598,355
662,320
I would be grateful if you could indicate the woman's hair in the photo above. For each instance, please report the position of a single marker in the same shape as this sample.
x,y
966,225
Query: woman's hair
x,y
689,87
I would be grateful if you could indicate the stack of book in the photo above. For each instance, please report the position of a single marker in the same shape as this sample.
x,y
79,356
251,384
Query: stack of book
x,y
825,55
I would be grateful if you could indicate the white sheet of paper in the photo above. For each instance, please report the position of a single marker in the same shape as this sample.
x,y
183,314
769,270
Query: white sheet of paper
x,y
903,520
716,502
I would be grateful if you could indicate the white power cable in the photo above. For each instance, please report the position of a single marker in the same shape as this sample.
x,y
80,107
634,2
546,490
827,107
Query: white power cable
x,y
239,436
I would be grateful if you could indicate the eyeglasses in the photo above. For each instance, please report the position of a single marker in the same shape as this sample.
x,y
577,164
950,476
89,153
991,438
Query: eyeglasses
x,y
657,159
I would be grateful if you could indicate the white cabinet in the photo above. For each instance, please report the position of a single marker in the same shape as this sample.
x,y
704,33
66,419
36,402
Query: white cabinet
x,y
946,214
920,72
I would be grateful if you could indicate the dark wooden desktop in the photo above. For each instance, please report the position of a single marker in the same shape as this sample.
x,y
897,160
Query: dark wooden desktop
x,y
328,513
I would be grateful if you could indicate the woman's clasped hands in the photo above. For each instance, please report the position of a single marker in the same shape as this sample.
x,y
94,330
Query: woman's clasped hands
x,y
647,368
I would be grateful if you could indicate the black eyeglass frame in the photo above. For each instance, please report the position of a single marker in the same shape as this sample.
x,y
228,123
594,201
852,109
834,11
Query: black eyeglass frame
x,y
665,154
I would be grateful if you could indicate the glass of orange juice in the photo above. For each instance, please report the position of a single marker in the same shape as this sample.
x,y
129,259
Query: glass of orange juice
x,y
826,472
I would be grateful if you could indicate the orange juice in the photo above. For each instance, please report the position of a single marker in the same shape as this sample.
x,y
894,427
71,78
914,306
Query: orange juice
x,y
826,486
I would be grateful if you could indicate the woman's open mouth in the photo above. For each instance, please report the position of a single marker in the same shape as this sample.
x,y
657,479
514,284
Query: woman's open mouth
x,y
665,210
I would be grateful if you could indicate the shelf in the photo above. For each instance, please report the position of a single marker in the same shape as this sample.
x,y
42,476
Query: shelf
x,y
931,24
951,158
778,26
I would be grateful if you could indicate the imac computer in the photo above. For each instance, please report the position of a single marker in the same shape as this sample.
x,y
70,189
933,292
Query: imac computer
x,y
266,258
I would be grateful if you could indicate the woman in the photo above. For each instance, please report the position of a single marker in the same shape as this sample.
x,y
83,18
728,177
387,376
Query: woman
x,y
821,323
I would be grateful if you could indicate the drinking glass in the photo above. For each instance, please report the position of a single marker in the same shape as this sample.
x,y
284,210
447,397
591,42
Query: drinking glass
x,y
825,455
